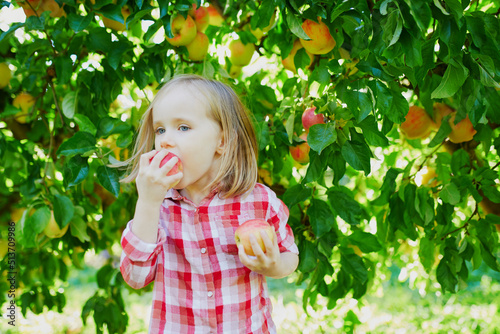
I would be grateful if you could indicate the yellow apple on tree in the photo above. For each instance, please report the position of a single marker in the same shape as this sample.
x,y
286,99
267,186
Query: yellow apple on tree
x,y
321,41
429,178
214,18
300,152
235,71
241,54
200,16
52,230
53,7
462,131
198,48
349,63
183,29
253,227
417,123
440,111
258,32
115,25
25,102
5,75
289,63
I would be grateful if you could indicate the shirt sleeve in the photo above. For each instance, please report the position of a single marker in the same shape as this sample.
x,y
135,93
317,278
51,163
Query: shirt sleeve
x,y
279,217
139,258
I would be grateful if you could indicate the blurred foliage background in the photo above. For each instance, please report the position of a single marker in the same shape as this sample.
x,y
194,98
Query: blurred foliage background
x,y
377,124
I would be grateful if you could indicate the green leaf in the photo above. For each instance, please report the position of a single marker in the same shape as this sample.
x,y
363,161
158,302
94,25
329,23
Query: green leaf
x,y
450,194
453,78
64,69
295,25
321,217
426,253
392,28
79,23
489,258
141,76
79,229
355,266
109,126
446,278
40,219
112,12
109,179
76,170
321,136
359,103
388,186
63,210
296,194
81,143
366,242
346,207
85,124
307,255
36,23
69,105
357,155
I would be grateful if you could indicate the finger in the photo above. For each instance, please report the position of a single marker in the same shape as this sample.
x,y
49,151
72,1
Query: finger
x,y
144,160
169,165
267,242
175,179
243,256
158,157
257,250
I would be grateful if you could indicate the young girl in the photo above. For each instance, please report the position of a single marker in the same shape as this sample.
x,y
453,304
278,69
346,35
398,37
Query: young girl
x,y
182,233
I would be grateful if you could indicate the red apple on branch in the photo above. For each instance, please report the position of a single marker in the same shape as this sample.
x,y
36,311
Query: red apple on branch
x,y
300,152
309,118
253,226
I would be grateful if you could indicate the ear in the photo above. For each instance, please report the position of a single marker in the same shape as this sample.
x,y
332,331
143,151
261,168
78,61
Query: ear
x,y
221,145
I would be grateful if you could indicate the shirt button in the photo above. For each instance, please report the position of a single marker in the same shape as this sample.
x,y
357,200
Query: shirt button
x,y
203,250
210,293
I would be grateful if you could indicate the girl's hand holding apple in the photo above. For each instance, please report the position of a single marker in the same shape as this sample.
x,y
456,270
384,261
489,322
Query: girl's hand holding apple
x,y
264,262
157,175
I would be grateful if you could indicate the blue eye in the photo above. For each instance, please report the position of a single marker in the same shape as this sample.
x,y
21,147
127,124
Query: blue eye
x,y
160,131
183,128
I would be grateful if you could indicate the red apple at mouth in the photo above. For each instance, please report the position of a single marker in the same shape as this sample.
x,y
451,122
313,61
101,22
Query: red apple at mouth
x,y
177,167
253,226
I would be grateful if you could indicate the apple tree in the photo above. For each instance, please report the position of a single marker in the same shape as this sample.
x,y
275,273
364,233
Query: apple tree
x,y
378,126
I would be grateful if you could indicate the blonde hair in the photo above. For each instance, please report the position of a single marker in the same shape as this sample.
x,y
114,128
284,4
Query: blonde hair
x,y
238,168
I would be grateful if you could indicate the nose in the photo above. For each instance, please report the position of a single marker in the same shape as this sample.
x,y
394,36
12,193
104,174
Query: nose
x,y
166,140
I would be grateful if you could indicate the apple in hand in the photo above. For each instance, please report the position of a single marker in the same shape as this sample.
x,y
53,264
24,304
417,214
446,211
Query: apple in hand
x,y
177,167
253,226
309,118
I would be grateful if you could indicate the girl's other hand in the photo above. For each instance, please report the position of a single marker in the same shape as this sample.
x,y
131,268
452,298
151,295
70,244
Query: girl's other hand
x,y
262,263
152,181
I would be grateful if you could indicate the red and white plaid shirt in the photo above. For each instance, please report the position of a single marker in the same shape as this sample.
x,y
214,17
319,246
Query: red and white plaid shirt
x,y
201,286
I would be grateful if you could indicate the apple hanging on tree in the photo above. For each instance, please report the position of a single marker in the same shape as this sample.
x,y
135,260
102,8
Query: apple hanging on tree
x,y
309,118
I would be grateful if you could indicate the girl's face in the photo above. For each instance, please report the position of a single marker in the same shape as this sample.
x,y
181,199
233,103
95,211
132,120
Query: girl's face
x,y
182,125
